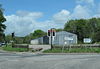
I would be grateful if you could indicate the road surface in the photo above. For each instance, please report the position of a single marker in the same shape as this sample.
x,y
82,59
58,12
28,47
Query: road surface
x,y
32,61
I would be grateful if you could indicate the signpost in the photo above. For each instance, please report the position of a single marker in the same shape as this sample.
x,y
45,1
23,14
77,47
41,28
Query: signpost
x,y
51,34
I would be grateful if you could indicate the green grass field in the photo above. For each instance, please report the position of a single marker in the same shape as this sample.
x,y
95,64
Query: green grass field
x,y
74,50
9,48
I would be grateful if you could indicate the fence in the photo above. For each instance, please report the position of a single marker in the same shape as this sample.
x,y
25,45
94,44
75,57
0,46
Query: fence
x,y
21,46
79,46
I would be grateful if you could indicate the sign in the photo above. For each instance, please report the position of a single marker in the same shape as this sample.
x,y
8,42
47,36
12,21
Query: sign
x,y
49,33
87,40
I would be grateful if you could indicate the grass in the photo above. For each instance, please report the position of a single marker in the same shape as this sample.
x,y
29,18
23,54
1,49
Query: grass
x,y
74,50
9,48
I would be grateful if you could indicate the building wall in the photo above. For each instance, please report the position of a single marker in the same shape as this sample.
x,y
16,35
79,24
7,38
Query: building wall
x,y
63,37
60,39
34,42
41,40
45,40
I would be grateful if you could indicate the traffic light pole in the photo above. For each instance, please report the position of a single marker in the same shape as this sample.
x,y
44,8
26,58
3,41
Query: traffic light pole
x,y
51,40
51,34
13,35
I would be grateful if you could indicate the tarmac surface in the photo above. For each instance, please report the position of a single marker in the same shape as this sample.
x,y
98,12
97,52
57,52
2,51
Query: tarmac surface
x,y
45,61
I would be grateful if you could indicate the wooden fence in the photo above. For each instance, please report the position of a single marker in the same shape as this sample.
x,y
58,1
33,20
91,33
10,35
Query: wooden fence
x,y
20,46
79,46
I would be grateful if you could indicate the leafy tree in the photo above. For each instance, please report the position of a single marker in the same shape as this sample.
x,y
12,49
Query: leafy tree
x,y
57,30
19,40
2,26
8,38
27,39
38,33
84,28
78,27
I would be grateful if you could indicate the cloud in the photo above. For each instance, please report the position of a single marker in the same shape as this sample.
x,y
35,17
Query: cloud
x,y
22,23
90,2
33,15
62,16
81,12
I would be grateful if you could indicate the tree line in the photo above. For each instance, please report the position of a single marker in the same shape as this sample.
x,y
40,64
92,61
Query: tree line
x,y
19,40
84,28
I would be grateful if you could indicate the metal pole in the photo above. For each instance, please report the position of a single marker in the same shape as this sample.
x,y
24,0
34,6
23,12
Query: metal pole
x,y
51,40
13,38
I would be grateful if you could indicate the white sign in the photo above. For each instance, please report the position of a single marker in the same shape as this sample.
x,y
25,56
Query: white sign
x,y
87,40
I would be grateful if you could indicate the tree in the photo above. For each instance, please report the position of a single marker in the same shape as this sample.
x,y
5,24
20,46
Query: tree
x,y
2,26
38,33
77,27
8,38
84,28
27,39
58,30
96,37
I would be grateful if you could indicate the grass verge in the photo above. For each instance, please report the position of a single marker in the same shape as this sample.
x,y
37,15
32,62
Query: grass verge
x,y
9,48
73,50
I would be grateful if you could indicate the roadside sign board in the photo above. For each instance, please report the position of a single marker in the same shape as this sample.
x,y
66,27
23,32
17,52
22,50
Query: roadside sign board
x,y
87,40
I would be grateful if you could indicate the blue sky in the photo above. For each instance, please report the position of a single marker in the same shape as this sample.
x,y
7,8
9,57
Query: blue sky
x,y
48,7
37,5
25,16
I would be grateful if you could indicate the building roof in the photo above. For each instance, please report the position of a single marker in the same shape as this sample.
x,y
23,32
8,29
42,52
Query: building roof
x,y
65,33
39,37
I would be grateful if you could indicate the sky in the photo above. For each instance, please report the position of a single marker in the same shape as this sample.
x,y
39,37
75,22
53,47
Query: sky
x,y
25,16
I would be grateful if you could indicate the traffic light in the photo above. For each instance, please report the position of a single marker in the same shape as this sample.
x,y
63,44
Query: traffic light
x,y
53,33
13,34
49,33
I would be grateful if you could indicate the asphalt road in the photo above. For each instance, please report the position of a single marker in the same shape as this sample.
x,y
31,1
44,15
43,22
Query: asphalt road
x,y
32,61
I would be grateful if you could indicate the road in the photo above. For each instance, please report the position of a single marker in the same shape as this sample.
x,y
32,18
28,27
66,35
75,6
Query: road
x,y
32,61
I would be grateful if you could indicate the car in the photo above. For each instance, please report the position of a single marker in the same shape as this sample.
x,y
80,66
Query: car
x,y
1,44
